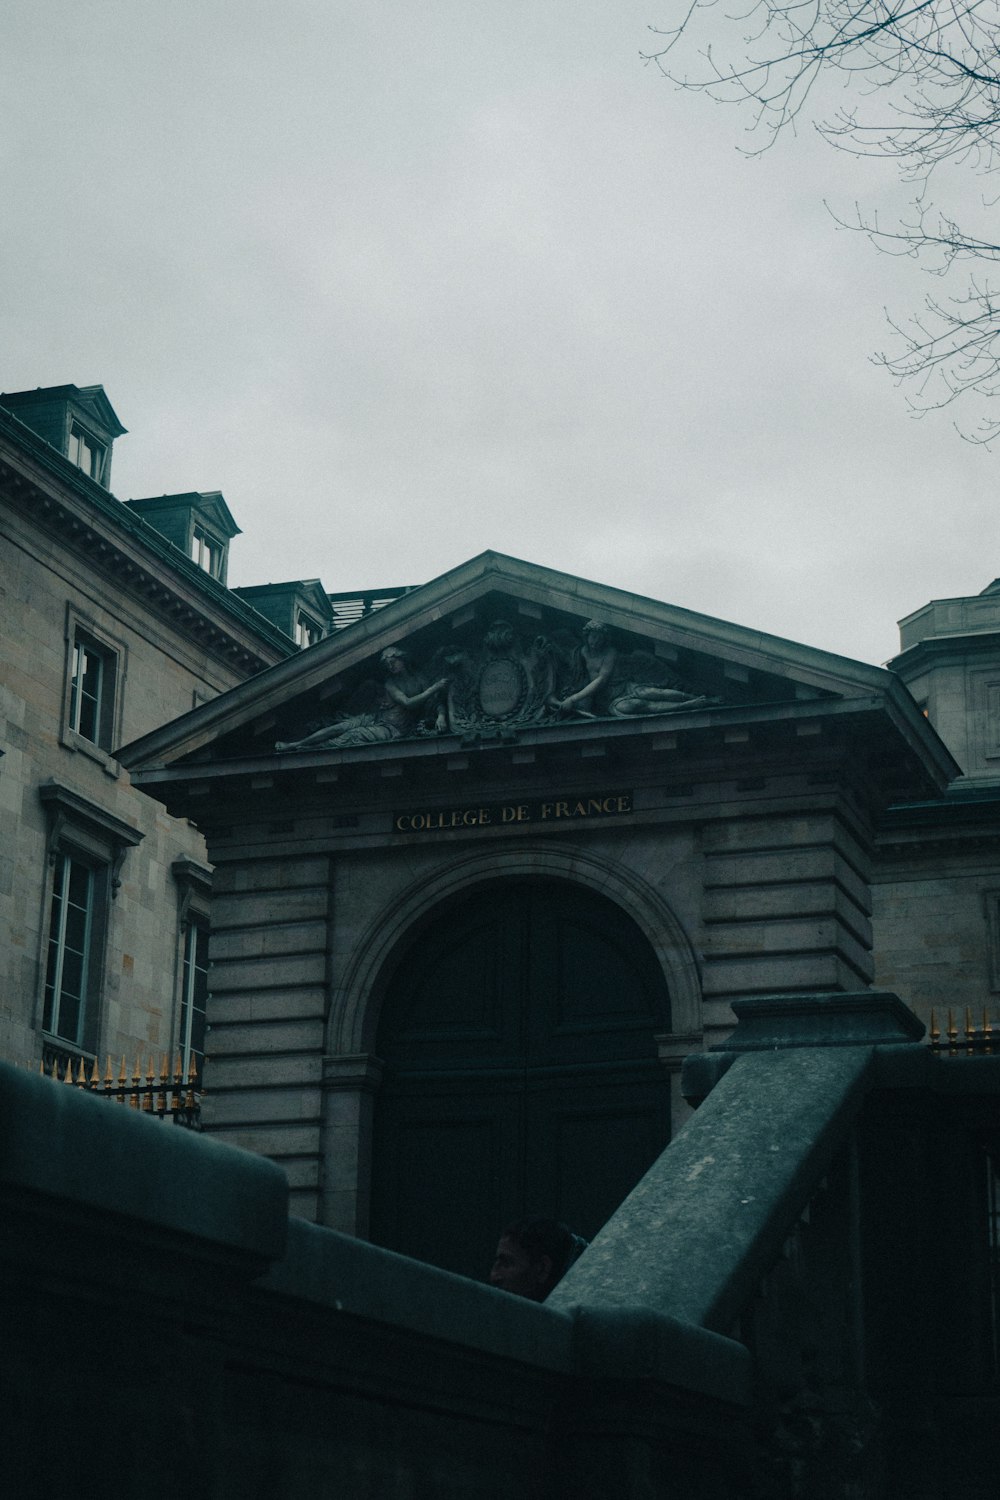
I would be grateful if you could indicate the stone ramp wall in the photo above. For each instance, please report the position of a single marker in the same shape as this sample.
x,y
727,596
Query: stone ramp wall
x,y
168,1330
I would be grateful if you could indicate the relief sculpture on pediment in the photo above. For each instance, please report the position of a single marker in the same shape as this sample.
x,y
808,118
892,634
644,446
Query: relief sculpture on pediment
x,y
504,684
396,710
501,684
610,684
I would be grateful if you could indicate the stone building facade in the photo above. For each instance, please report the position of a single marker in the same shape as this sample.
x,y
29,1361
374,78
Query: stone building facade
x,y
110,628
479,868
707,821
936,893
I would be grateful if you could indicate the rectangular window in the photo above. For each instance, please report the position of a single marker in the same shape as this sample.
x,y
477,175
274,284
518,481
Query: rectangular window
x,y
73,917
206,552
194,999
86,453
87,846
92,691
307,632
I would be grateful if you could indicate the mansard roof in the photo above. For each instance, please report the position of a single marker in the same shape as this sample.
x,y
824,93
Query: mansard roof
x,y
270,599
209,505
92,399
82,515
735,677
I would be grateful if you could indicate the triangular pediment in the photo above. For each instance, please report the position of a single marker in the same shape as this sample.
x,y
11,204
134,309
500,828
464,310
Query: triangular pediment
x,y
93,399
504,640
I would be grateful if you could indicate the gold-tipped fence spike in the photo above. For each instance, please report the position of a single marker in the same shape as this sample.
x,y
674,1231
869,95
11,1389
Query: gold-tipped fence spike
x,y
192,1083
154,1085
977,1038
147,1096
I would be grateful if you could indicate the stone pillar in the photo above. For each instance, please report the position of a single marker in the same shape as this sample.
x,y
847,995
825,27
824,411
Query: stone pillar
x,y
787,907
350,1084
267,1013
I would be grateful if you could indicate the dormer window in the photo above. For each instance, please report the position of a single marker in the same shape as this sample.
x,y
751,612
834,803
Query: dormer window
x,y
199,524
86,452
300,608
78,421
206,552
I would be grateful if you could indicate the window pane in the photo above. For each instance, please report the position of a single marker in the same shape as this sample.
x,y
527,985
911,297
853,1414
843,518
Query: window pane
x,y
92,692
75,929
79,883
85,452
194,999
72,979
71,1018
206,553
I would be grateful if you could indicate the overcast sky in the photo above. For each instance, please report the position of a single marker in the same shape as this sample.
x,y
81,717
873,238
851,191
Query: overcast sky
x,y
410,281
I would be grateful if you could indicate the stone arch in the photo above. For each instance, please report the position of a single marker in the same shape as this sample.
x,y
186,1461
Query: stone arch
x,y
354,1021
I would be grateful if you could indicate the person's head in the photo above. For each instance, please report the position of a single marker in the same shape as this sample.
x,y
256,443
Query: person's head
x,y
595,634
393,660
532,1256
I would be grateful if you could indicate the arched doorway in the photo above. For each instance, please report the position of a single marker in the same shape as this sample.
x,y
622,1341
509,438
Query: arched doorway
x,y
521,1073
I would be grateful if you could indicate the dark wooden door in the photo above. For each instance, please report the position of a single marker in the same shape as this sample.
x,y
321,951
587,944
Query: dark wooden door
x,y
521,1073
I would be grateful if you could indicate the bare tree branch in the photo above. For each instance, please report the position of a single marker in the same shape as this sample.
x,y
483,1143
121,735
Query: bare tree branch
x,y
924,79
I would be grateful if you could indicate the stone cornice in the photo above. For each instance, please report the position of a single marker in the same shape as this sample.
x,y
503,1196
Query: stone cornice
x,y
949,824
935,649
724,735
